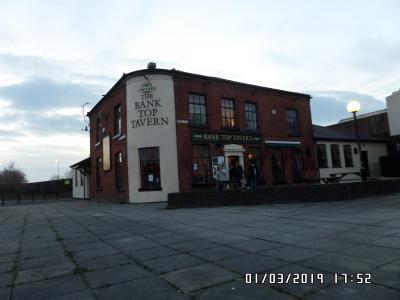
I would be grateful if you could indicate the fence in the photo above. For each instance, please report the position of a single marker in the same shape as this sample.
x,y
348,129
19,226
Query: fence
x,y
44,190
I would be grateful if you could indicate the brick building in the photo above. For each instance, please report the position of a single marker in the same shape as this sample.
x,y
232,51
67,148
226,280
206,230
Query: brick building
x,y
159,131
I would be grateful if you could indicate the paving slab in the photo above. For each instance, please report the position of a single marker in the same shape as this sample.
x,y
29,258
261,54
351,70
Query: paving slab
x,y
238,290
48,289
115,275
199,277
172,263
148,288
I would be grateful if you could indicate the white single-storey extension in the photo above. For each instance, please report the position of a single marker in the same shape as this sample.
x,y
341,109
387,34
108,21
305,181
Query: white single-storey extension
x,y
81,179
337,153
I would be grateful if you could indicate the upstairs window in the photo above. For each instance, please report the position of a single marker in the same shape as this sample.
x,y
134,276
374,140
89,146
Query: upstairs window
x,y
251,116
228,113
117,120
335,155
322,157
98,130
293,122
197,110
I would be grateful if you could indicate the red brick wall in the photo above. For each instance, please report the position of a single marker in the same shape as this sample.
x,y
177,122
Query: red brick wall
x,y
272,127
106,111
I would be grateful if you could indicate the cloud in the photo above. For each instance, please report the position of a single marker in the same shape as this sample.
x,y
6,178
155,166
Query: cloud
x,y
328,107
42,93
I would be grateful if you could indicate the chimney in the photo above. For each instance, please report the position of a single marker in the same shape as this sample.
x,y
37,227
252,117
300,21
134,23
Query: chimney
x,y
151,65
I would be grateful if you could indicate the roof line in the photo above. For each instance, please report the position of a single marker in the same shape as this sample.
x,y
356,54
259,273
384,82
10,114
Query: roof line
x,y
174,72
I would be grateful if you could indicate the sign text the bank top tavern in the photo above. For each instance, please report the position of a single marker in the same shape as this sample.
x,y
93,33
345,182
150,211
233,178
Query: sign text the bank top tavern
x,y
147,108
225,138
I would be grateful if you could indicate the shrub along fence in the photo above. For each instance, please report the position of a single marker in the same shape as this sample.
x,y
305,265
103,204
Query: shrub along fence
x,y
44,190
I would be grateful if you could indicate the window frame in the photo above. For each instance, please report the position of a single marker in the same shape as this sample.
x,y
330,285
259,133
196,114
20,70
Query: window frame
x,y
200,124
208,160
119,176
143,185
98,130
297,130
338,163
99,173
348,161
246,112
117,120
325,160
225,116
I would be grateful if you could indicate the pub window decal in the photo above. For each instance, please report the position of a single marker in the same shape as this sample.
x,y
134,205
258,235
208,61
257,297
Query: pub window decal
x,y
148,108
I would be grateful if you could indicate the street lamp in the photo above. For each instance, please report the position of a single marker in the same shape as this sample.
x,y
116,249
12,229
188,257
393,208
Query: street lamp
x,y
353,107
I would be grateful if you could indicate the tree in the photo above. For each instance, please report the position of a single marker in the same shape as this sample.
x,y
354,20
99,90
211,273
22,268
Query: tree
x,y
54,177
10,175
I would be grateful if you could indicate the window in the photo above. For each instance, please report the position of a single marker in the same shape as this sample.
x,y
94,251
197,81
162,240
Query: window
x,y
253,154
197,110
251,116
322,157
119,176
150,168
293,121
335,154
76,177
81,177
228,113
117,120
201,172
98,130
98,173
348,157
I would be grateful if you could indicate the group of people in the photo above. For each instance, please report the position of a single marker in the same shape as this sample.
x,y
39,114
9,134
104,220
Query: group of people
x,y
236,176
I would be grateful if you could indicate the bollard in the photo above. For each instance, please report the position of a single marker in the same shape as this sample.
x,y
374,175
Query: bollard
x,y
2,198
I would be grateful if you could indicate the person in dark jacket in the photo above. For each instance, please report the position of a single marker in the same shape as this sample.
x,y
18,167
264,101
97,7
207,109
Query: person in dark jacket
x,y
252,175
239,175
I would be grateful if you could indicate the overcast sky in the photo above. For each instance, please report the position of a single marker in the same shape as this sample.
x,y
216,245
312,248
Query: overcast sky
x,y
57,55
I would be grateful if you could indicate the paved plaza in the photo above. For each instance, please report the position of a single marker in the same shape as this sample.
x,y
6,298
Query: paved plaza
x,y
85,250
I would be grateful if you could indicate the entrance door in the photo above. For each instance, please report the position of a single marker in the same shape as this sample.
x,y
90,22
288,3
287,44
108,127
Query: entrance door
x,y
277,166
232,160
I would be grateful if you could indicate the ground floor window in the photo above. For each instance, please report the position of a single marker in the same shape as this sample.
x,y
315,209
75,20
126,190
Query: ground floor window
x,y
297,166
322,157
98,173
348,156
253,154
277,166
150,167
335,155
119,178
201,164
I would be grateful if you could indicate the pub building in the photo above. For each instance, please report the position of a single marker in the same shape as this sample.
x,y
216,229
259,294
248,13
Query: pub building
x,y
159,131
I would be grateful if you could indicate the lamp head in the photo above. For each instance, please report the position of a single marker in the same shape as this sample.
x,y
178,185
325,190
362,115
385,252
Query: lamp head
x,y
353,106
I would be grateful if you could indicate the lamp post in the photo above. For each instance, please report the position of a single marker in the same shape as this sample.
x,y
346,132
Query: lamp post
x,y
353,107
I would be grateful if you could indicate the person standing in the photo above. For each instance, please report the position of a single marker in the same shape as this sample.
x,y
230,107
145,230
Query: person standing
x,y
232,176
221,178
252,175
239,175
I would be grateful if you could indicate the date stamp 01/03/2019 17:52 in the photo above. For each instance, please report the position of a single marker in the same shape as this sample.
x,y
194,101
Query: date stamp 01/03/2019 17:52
x,y
307,278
